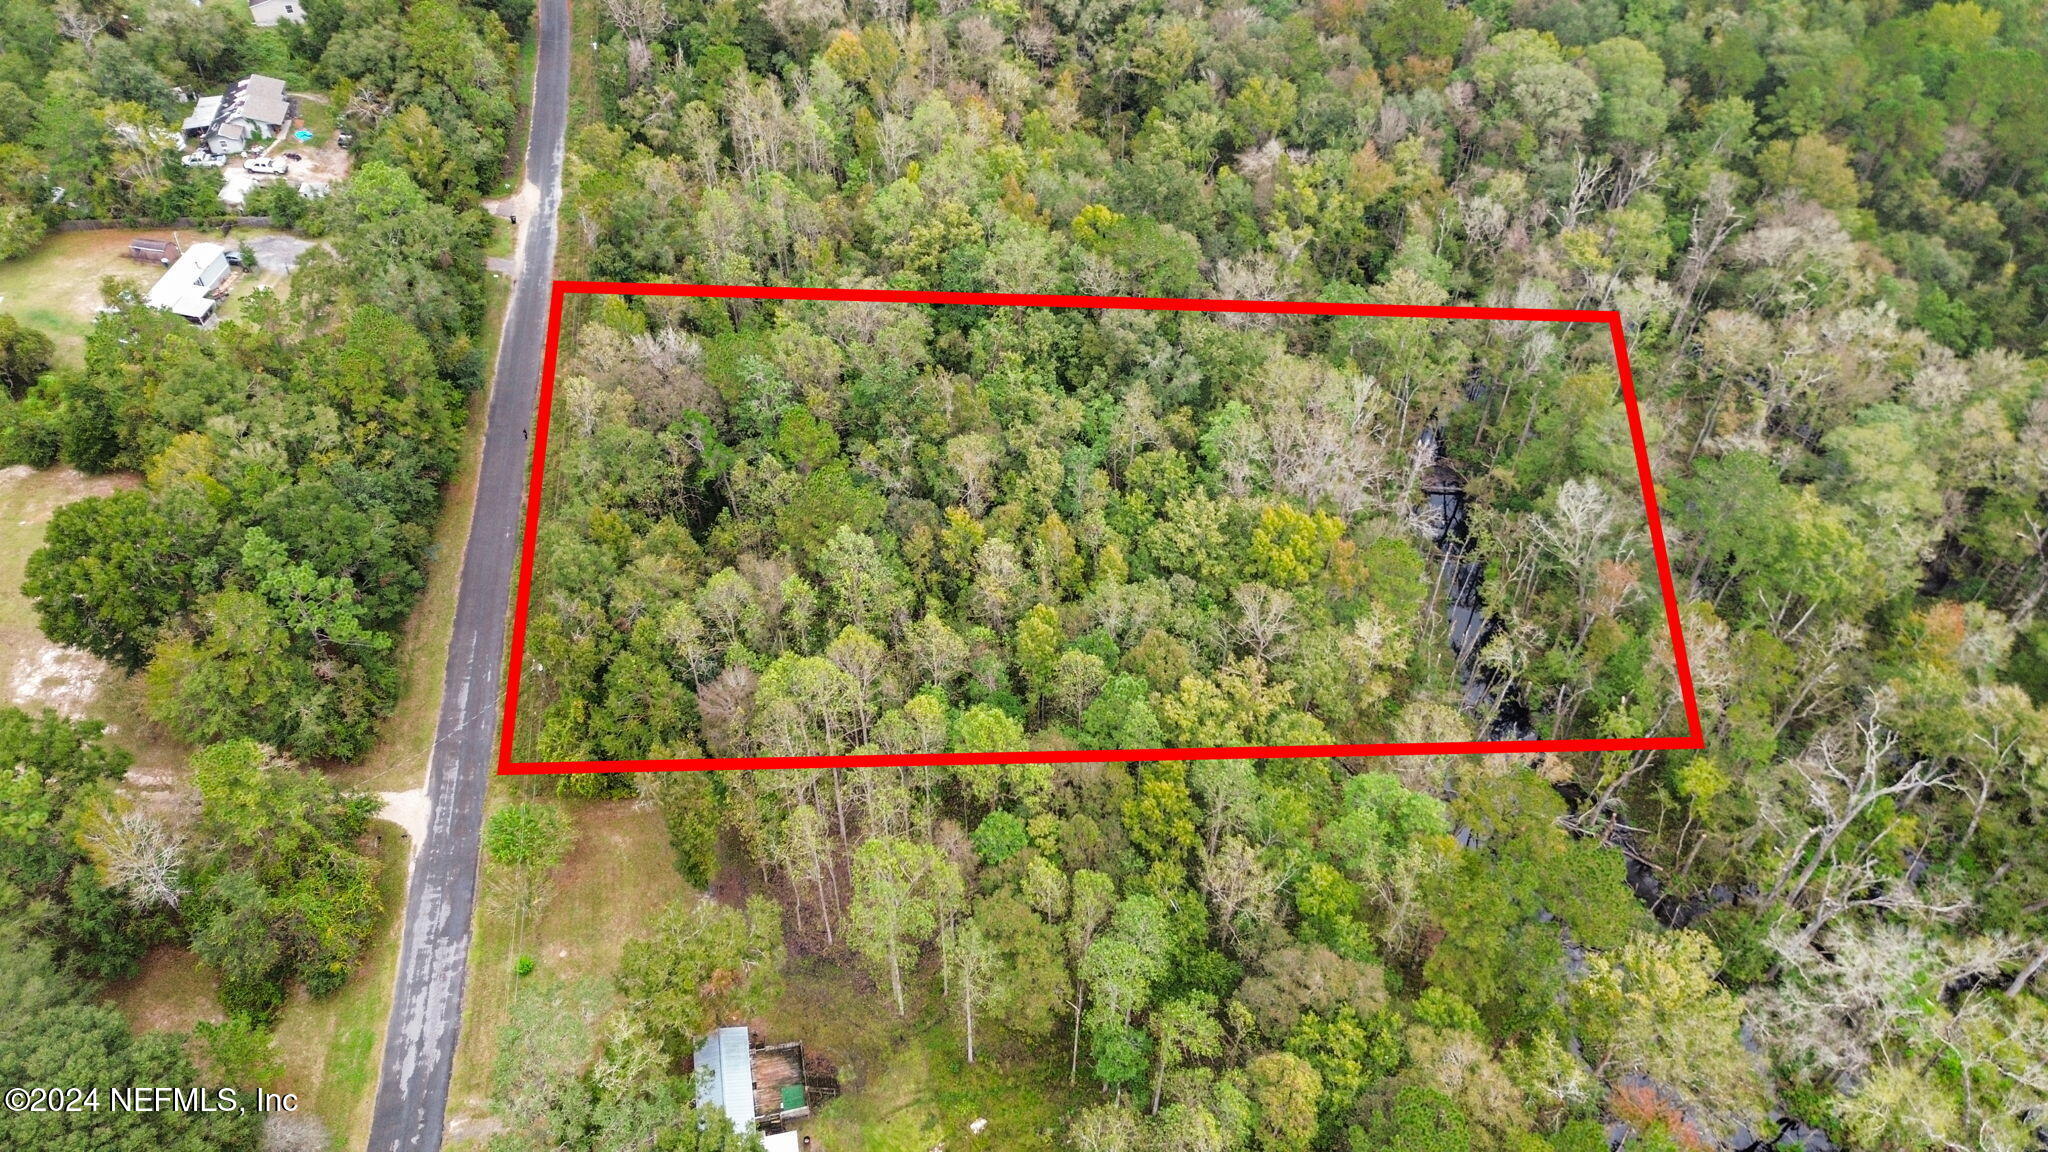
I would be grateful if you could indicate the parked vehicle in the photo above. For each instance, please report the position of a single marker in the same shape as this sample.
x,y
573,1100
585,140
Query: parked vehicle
x,y
203,160
294,157
266,166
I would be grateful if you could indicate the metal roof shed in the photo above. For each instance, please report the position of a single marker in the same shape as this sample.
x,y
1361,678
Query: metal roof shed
x,y
725,1076
153,251
204,113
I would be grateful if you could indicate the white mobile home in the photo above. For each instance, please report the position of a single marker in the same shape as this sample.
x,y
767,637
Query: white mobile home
x,y
187,287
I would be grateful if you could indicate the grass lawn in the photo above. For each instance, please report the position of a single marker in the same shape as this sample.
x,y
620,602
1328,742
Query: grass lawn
x,y
616,880
585,108
318,116
905,1082
56,288
587,25
500,243
522,91
170,994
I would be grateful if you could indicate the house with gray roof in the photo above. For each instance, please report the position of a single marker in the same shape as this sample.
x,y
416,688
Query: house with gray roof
x,y
249,112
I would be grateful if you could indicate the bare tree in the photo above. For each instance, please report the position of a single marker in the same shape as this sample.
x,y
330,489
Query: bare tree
x,y
1714,220
971,966
798,18
1255,277
1871,1001
662,370
1842,776
973,458
641,20
758,122
1327,435
1818,664
726,706
1265,619
1640,173
1584,527
895,143
137,853
1242,892
77,22
1589,176
998,577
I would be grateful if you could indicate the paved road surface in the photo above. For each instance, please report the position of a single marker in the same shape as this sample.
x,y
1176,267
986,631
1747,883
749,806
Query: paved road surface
x,y
426,1011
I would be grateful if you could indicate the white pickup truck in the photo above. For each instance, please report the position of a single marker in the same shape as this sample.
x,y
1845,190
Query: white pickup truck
x,y
266,166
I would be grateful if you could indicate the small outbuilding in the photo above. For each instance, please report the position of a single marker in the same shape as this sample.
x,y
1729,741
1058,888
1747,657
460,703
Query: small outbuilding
x,y
756,1085
153,251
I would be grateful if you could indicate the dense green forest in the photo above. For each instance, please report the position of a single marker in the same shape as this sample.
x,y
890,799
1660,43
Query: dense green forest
x,y
852,527
1822,225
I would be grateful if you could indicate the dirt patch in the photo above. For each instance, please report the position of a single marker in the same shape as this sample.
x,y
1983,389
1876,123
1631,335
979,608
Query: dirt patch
x,y
321,163
409,811
32,503
322,167
34,673
278,251
62,679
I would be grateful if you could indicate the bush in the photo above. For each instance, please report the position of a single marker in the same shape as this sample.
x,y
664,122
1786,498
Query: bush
x,y
279,201
29,434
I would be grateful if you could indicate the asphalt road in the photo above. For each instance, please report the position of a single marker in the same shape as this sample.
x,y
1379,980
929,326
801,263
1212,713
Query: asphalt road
x,y
426,1009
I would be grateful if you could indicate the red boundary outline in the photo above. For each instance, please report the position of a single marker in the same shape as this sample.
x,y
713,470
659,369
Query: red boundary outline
x,y
1695,739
